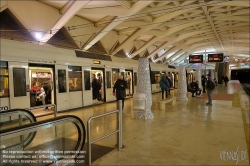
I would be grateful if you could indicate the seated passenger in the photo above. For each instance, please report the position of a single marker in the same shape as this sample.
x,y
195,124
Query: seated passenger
x,y
197,89
191,88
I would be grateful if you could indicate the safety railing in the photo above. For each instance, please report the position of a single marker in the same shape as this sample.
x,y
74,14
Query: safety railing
x,y
21,113
34,127
45,106
119,131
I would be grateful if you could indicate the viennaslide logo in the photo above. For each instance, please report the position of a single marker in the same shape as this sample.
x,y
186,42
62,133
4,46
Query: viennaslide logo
x,y
236,155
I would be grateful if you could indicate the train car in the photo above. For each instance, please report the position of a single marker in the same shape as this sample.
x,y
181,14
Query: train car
x,y
69,73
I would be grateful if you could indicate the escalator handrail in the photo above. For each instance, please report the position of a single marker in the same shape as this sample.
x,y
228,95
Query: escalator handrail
x,y
19,111
20,130
31,117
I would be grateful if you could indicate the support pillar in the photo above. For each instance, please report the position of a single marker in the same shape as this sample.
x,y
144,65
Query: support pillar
x,y
198,77
182,84
144,85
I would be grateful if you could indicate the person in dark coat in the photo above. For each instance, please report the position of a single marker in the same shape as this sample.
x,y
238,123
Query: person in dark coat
x,y
119,90
226,80
164,84
209,91
95,88
203,83
47,89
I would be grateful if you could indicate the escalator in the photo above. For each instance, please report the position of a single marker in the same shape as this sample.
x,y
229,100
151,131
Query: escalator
x,y
56,141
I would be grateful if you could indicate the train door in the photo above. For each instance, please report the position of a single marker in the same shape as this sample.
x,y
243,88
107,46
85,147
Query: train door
x,y
129,79
98,91
87,91
109,86
41,76
19,85
61,75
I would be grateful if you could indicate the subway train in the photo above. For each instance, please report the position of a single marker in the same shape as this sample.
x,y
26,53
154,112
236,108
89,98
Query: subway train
x,y
70,74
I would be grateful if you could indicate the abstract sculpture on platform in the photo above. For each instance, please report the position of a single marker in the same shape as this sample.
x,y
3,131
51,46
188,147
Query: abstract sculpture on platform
x,y
182,84
144,86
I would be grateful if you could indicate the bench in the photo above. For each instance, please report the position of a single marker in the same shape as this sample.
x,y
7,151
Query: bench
x,y
189,94
162,103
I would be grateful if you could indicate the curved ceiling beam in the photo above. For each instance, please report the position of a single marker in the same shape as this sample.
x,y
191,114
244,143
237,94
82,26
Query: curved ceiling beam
x,y
155,23
114,22
179,38
67,12
172,30
233,3
183,45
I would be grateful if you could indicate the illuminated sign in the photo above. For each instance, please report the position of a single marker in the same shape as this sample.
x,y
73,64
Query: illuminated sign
x,y
215,57
96,62
195,58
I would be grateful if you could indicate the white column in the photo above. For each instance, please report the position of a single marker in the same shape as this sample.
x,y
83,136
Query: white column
x,y
182,84
198,77
144,86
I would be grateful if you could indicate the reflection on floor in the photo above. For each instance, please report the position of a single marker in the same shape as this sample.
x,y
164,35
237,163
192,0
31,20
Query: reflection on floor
x,y
187,133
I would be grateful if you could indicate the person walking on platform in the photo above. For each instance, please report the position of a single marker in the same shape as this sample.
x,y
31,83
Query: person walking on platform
x,y
226,80
119,90
203,83
164,84
95,88
209,90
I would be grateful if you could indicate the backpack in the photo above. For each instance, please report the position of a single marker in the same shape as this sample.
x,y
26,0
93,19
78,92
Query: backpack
x,y
212,85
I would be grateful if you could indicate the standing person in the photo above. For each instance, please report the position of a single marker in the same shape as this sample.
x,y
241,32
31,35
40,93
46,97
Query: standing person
x,y
47,89
95,88
209,90
119,90
226,80
203,83
170,84
99,80
128,79
164,84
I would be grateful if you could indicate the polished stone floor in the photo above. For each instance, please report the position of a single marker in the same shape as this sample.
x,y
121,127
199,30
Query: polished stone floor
x,y
187,133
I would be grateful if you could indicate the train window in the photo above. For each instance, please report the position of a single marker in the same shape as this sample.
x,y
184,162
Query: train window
x,y
108,75
19,82
115,75
87,79
155,77
75,78
62,81
135,79
4,79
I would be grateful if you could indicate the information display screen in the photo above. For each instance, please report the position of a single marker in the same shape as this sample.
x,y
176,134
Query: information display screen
x,y
195,58
215,57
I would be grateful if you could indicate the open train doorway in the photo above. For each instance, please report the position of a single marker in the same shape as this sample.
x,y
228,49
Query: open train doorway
x,y
98,85
41,79
129,79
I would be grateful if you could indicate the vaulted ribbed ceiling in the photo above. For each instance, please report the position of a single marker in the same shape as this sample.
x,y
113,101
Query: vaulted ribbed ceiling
x,y
164,31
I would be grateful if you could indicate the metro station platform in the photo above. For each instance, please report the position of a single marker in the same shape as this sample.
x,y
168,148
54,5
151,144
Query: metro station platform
x,y
187,133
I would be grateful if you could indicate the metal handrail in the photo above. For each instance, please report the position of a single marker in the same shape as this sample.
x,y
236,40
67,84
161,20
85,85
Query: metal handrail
x,y
21,130
20,113
44,106
119,131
